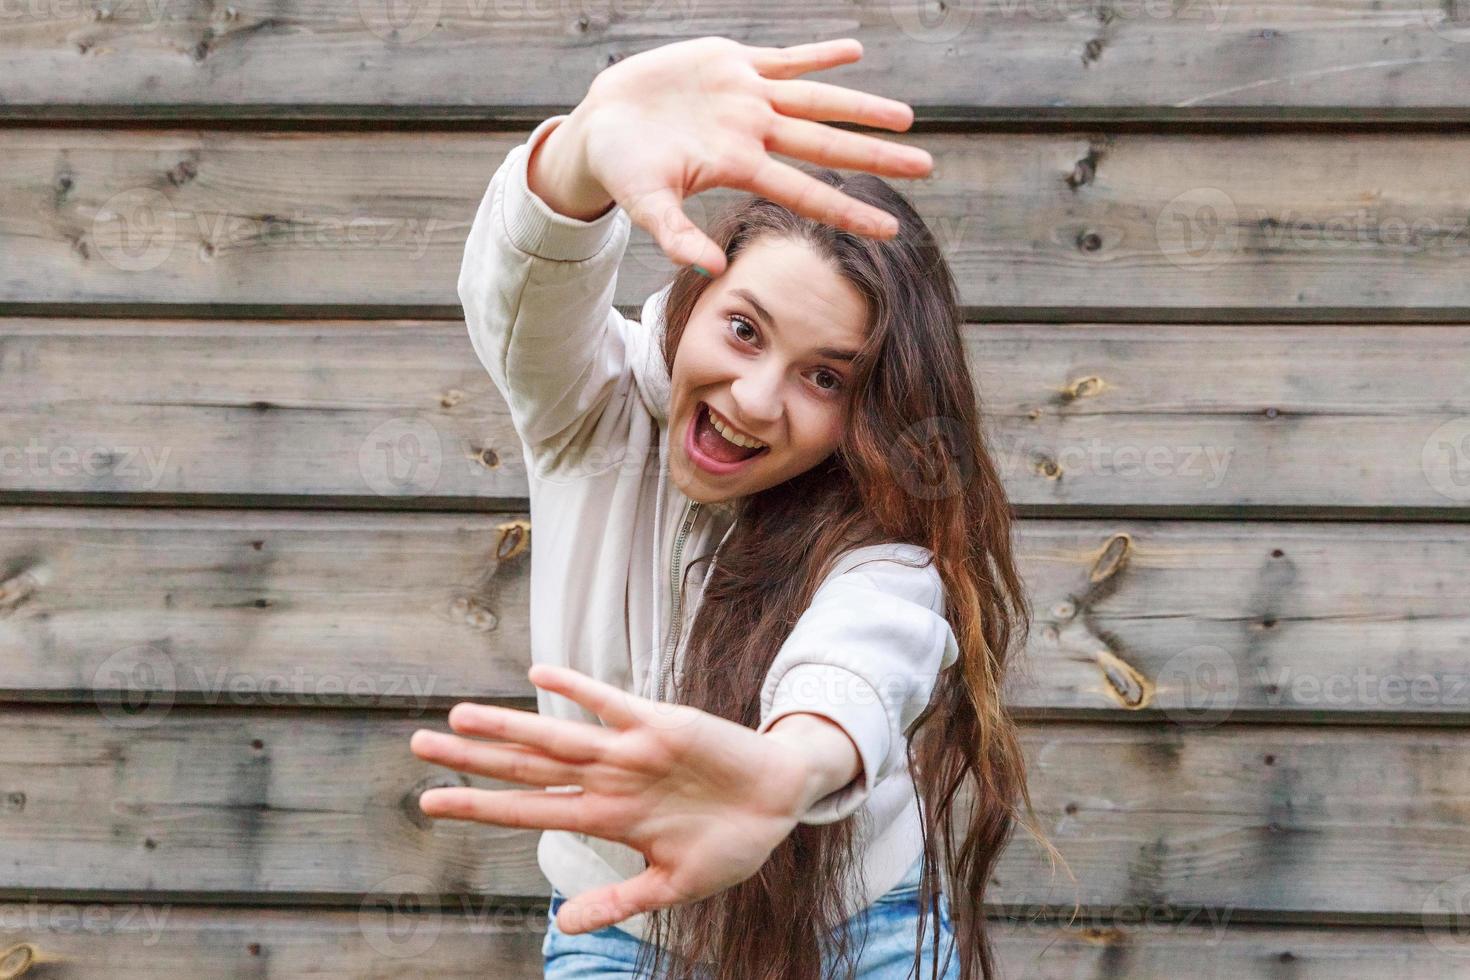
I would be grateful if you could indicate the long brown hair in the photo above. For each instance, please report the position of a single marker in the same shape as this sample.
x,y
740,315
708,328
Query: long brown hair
x,y
913,466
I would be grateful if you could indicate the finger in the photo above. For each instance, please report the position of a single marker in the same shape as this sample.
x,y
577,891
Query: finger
x,y
852,151
570,741
602,907
660,212
607,702
798,59
514,763
806,195
533,808
804,99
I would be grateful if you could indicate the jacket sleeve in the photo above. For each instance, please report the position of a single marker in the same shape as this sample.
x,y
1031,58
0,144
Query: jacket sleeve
x,y
865,654
537,289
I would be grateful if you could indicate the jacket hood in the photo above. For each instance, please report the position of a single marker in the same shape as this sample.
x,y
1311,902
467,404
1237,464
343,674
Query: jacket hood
x,y
650,370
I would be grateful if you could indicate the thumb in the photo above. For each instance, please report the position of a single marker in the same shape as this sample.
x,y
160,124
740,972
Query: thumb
x,y
602,907
661,213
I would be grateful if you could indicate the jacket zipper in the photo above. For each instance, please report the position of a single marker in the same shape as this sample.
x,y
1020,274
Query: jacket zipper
x,y
676,592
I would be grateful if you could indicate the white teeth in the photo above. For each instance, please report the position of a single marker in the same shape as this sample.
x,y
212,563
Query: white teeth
x,y
734,436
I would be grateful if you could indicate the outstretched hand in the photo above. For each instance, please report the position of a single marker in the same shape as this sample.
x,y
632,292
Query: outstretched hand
x,y
704,799
666,123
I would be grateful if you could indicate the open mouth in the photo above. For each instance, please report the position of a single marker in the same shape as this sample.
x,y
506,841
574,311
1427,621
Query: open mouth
x,y
712,451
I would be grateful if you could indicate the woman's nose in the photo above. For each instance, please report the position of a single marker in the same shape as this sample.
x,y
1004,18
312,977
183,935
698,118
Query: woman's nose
x,y
757,397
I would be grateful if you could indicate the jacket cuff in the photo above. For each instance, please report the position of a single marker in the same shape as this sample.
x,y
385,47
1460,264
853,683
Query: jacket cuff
x,y
534,227
849,701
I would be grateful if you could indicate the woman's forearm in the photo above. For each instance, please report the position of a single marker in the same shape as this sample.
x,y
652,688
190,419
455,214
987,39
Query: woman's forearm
x,y
831,757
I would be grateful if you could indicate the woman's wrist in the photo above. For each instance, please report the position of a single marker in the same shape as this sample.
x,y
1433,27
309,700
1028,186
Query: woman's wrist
x,y
826,751
557,173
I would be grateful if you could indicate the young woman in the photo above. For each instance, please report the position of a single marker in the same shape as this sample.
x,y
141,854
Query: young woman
x,y
772,584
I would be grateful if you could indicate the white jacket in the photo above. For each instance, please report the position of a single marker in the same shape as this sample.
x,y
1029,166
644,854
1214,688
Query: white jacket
x,y
588,394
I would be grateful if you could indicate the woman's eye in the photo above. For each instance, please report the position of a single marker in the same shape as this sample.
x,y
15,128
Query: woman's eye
x,y
836,384
741,321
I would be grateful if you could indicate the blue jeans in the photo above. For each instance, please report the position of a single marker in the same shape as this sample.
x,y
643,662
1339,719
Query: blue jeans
x,y
887,954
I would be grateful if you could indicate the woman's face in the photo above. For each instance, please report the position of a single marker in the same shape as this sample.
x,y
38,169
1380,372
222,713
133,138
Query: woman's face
x,y
763,348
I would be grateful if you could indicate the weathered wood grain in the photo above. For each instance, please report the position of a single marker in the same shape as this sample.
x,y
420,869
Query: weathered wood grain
x,y
1255,226
389,411
471,940
228,608
1197,622
972,60
392,935
294,805
401,413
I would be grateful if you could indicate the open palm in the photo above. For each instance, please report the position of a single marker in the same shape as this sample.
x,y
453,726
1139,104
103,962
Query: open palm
x,y
704,799
669,122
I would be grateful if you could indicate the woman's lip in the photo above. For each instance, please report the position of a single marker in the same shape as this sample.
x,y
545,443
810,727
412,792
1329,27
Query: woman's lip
x,y
704,462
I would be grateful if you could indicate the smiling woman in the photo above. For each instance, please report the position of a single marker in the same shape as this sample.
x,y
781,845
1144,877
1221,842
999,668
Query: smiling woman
x,y
754,764
780,387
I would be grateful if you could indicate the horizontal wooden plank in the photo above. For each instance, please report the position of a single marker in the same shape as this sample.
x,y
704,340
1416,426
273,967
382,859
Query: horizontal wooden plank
x,y
270,607
390,411
1064,225
996,58
1158,950
401,412
291,804
473,940
390,936
1198,622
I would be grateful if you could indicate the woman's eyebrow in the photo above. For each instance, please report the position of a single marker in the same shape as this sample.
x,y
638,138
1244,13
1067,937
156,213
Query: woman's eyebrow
x,y
760,311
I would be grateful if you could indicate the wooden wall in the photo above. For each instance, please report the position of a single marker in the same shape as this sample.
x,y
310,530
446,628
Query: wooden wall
x,y
262,513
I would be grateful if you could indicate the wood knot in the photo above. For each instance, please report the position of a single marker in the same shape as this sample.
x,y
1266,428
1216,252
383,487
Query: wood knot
x,y
17,960
473,614
515,538
183,172
1113,556
19,588
1102,935
1083,388
410,802
1126,685
1083,172
451,398
1047,467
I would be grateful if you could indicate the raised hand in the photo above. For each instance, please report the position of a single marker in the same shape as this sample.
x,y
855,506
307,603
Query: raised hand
x,y
669,122
704,800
